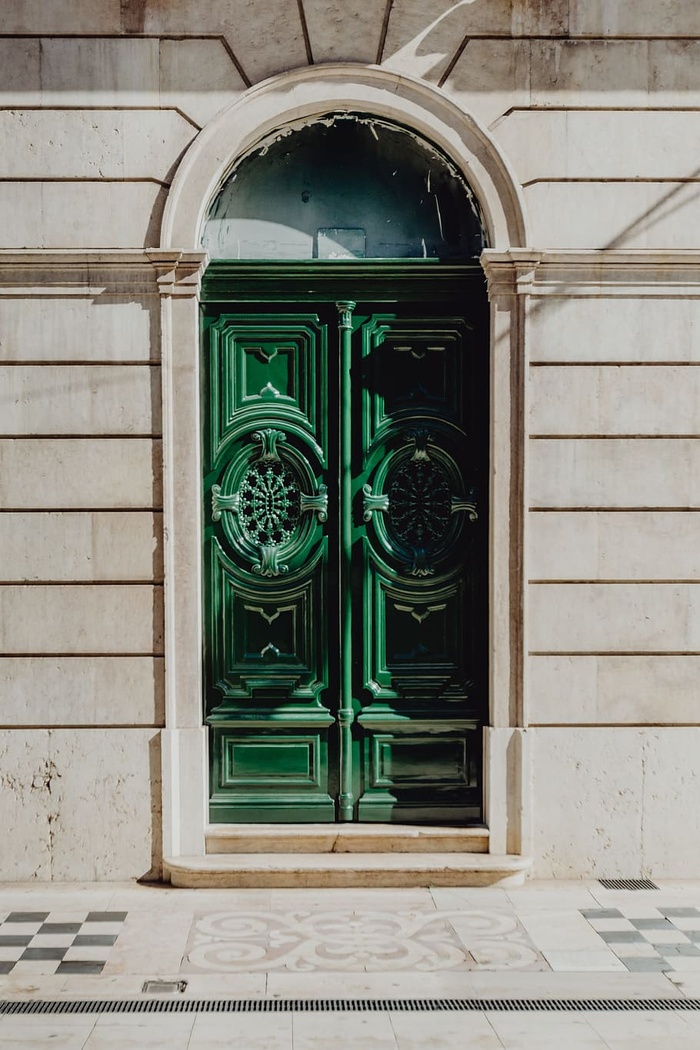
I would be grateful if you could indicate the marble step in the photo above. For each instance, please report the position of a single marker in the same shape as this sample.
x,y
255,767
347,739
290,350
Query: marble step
x,y
235,870
344,838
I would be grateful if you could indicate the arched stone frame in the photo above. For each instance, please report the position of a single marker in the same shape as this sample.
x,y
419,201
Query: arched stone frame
x,y
304,95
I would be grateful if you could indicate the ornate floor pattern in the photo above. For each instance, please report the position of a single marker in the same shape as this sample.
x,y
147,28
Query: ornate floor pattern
x,y
41,942
359,941
649,938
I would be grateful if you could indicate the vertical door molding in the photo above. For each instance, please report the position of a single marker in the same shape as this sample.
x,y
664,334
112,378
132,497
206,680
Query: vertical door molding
x,y
184,740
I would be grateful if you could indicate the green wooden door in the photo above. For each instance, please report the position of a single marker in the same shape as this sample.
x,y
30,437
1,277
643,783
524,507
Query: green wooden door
x,y
345,497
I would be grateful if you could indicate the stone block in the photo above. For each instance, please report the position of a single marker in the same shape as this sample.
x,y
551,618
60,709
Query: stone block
x,y
422,40
613,689
614,399
671,802
344,30
91,619
635,545
607,73
198,77
622,472
610,618
103,328
25,782
614,215
81,214
77,473
614,329
546,144
491,77
82,690
81,399
20,75
643,18
94,144
94,71
266,38
674,71
81,546
81,805
62,16
588,802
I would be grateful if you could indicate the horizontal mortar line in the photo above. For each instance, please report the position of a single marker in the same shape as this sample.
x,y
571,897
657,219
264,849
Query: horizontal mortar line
x,y
81,583
81,437
617,179
563,36
614,364
75,363
544,108
83,725
614,437
80,179
81,510
78,656
81,656
611,725
75,108
615,582
613,510
614,652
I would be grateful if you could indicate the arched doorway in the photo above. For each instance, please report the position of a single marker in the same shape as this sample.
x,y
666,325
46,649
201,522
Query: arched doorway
x,y
345,480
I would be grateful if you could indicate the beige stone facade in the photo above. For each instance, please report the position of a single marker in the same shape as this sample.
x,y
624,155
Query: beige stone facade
x,y
576,123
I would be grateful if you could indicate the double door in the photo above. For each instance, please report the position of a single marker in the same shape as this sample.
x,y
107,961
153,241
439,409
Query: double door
x,y
345,500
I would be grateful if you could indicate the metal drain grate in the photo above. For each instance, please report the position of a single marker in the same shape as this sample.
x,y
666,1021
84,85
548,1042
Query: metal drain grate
x,y
628,884
265,1006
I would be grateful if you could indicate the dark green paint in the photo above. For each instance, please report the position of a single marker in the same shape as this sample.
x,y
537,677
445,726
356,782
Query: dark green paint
x,y
345,497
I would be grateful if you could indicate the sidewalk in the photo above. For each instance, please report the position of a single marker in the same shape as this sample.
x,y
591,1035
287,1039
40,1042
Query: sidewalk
x,y
545,940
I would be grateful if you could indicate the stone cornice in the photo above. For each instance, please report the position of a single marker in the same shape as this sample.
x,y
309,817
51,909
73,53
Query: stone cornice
x,y
578,273
65,272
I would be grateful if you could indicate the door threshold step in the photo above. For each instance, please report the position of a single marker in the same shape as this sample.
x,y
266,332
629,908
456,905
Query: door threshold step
x,y
263,870
344,838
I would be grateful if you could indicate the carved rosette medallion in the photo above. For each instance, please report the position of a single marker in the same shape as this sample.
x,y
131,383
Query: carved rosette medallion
x,y
268,504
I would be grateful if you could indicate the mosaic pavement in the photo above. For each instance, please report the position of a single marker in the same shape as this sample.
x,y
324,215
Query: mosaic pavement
x,y
359,942
645,938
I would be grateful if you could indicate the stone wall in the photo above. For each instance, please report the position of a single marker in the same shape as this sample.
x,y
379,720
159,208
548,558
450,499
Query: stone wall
x,y
594,105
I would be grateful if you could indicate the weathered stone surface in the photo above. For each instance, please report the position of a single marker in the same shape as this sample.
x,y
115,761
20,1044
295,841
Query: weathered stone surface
x,y
661,690
645,17
599,617
20,76
344,30
198,77
491,77
614,399
78,473
81,214
95,144
621,329
635,545
81,804
99,328
65,619
81,399
94,71
82,690
89,546
624,472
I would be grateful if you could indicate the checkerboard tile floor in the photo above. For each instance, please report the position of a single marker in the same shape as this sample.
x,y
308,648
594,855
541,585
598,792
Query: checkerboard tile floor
x,y
648,938
41,942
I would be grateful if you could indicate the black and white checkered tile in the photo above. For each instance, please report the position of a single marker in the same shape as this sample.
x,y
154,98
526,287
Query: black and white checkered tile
x,y
40,942
649,938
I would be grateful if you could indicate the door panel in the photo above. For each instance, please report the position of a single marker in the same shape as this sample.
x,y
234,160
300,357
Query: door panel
x,y
345,508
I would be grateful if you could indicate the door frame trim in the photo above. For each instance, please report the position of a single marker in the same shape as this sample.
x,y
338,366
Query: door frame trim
x,y
308,94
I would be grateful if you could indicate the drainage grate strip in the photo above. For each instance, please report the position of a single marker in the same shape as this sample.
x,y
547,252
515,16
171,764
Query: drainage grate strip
x,y
189,1006
628,884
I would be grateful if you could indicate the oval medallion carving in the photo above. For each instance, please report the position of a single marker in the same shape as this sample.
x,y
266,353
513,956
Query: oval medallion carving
x,y
269,503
